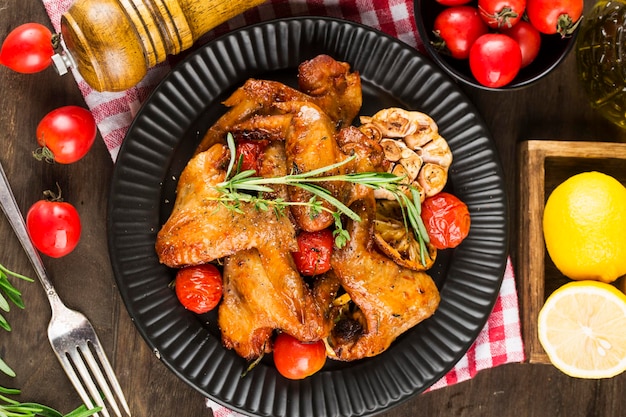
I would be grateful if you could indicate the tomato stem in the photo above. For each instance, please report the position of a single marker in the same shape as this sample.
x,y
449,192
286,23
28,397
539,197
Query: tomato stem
x,y
503,17
44,154
50,195
56,41
565,26
439,43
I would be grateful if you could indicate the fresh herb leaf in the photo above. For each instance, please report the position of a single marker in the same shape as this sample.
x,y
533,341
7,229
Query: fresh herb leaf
x,y
340,234
9,391
6,369
82,411
4,304
4,323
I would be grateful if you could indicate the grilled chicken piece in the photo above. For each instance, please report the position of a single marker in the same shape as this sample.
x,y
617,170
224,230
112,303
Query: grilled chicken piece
x,y
310,144
200,230
370,156
255,97
327,83
263,291
333,87
390,299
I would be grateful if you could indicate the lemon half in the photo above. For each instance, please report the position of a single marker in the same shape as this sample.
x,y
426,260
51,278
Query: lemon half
x,y
582,328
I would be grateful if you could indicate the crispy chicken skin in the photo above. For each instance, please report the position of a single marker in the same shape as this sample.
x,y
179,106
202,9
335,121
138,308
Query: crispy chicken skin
x,y
333,87
327,83
255,97
200,230
390,299
263,291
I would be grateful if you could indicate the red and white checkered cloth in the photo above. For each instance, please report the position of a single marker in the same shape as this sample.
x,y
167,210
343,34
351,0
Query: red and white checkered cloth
x,y
500,341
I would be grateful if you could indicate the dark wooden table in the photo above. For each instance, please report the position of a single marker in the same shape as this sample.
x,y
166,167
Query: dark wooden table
x,y
555,108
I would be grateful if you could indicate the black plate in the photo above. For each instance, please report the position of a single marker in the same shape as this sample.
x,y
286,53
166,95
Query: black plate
x,y
160,142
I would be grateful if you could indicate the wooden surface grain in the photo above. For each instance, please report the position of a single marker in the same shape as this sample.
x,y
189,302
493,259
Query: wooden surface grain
x,y
554,108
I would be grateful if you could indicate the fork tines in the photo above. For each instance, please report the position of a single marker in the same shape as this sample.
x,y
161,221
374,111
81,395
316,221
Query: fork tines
x,y
93,378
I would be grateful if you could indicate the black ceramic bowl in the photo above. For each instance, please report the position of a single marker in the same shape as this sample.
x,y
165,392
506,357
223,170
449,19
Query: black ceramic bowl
x,y
553,51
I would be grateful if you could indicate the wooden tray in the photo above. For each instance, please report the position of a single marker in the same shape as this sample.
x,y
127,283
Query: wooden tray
x,y
542,165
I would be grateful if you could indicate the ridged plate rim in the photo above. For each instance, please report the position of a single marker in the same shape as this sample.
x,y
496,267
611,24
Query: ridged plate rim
x,y
471,276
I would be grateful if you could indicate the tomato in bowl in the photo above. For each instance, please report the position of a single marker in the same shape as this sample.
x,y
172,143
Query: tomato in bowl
x,y
553,49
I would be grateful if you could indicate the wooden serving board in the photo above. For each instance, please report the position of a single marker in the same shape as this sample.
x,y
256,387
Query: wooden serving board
x,y
543,165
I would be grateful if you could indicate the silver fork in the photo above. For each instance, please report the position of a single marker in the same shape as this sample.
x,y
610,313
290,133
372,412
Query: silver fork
x,y
71,335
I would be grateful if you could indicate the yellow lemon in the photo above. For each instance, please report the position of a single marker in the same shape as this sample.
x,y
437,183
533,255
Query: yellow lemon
x,y
584,227
582,328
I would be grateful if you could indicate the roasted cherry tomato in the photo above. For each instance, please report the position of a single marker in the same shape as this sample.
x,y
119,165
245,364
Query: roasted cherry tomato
x,y
66,134
248,152
315,249
447,220
297,360
27,48
456,29
495,59
501,13
555,16
54,227
199,287
528,38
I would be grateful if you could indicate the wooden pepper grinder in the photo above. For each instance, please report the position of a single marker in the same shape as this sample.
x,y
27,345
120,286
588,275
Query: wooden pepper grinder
x,y
112,43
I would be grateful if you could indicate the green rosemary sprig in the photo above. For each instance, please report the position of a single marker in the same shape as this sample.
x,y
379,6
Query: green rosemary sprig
x,y
8,406
9,293
12,408
238,185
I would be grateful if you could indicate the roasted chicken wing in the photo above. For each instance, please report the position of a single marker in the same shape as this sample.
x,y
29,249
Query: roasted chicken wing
x,y
200,229
333,87
389,298
263,292
324,82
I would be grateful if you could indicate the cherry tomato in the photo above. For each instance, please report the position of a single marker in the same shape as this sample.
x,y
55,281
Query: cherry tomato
x,y
528,38
315,249
199,287
453,2
501,13
555,16
66,134
27,48
248,152
457,28
495,59
297,360
54,227
447,220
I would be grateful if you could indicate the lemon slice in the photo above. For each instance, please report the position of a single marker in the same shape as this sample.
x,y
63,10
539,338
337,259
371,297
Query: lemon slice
x,y
582,328
395,240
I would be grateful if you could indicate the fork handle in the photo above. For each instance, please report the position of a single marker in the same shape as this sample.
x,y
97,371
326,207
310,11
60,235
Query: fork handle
x,y
13,214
